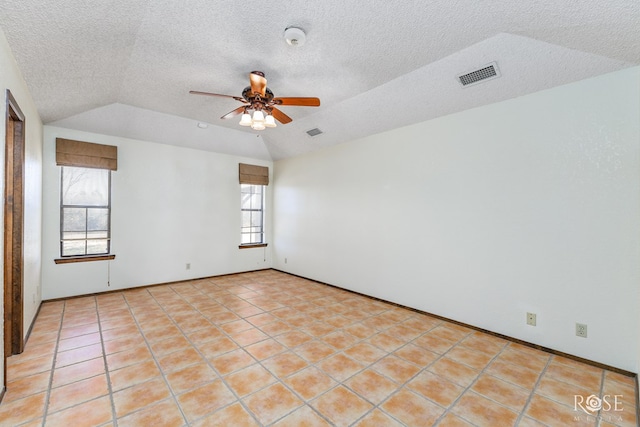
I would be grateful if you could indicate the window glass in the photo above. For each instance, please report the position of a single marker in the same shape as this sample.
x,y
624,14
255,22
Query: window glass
x,y
85,186
85,211
252,210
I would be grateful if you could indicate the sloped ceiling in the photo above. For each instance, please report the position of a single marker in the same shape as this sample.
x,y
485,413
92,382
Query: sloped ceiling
x,y
125,67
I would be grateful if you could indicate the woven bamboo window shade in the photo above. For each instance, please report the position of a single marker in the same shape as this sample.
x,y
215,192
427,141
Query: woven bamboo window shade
x,y
252,174
86,154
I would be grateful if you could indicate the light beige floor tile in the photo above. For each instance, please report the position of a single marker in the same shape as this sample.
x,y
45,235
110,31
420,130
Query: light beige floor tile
x,y
310,382
77,392
92,413
412,409
272,403
166,414
436,388
267,348
341,406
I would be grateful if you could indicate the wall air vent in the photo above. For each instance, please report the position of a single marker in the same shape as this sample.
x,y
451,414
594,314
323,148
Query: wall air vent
x,y
314,132
487,72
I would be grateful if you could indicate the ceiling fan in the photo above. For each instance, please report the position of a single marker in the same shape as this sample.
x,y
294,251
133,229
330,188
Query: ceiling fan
x,y
258,98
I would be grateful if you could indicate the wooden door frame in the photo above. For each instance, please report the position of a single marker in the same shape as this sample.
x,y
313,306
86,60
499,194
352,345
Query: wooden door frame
x,y
13,230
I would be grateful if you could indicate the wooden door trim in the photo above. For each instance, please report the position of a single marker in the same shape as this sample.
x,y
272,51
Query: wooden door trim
x,y
14,228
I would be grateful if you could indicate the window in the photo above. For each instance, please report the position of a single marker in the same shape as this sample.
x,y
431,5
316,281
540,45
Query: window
x,y
85,211
85,199
252,229
253,183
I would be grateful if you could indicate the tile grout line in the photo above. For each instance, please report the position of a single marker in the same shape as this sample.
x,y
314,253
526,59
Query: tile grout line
x,y
162,374
279,379
425,369
310,364
447,410
229,337
77,380
339,383
557,401
259,362
106,367
533,391
493,359
290,349
53,365
208,362
359,341
600,393
370,365
389,353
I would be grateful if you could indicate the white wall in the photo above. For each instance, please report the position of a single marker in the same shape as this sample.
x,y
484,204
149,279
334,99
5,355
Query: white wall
x,y
531,204
170,206
10,78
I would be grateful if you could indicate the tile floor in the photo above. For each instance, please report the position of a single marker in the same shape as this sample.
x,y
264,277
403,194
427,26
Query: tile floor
x,y
266,348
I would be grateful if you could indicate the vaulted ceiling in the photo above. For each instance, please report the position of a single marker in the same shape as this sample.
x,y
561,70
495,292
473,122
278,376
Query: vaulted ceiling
x,y
125,67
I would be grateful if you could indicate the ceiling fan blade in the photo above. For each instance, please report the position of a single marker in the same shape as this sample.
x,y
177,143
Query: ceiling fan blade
x,y
302,102
258,82
237,98
280,116
233,113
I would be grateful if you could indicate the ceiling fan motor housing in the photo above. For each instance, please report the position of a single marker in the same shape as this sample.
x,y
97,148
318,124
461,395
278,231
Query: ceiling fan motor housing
x,y
248,94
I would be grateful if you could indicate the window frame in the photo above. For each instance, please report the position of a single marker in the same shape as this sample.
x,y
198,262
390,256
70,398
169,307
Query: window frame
x,y
86,256
262,231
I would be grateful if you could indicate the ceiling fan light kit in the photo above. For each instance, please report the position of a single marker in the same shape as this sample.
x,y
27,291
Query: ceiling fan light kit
x,y
259,99
269,121
245,120
257,120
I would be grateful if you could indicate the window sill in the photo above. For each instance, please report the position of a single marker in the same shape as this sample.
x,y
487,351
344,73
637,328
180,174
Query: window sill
x,y
69,260
253,245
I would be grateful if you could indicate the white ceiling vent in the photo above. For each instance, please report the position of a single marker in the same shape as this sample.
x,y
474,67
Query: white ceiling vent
x,y
487,72
314,132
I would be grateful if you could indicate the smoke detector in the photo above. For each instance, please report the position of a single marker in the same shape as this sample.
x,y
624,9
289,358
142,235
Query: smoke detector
x,y
295,36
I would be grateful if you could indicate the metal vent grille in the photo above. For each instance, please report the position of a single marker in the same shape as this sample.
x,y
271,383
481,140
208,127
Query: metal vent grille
x,y
314,132
487,72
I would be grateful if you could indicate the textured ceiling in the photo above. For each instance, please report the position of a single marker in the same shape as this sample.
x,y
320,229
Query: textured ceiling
x,y
125,67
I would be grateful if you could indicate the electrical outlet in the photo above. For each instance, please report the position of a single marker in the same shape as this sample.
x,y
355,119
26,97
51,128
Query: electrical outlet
x,y
581,330
188,266
285,260
531,319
